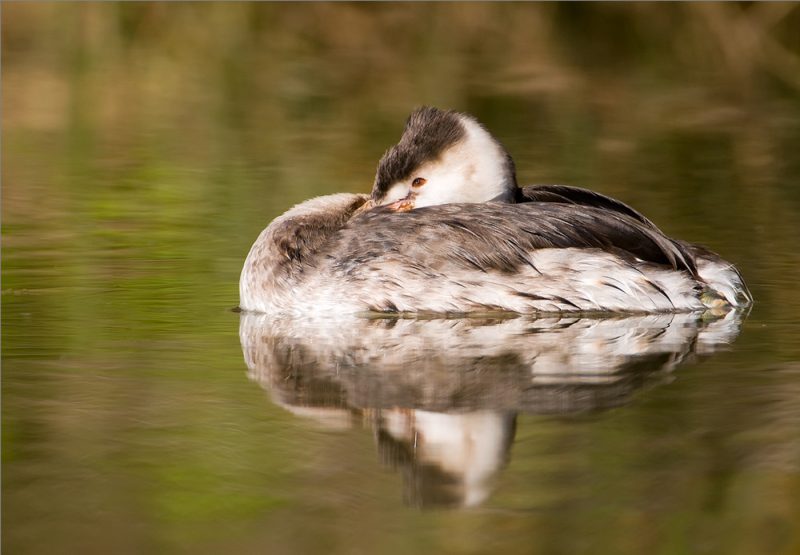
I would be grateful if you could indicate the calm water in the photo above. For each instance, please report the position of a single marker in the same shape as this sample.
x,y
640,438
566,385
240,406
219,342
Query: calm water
x,y
146,145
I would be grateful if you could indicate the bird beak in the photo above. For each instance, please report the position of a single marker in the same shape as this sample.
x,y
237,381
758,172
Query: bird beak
x,y
366,207
403,205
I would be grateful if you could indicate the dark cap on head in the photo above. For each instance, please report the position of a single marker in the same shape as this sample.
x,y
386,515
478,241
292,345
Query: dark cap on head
x,y
428,132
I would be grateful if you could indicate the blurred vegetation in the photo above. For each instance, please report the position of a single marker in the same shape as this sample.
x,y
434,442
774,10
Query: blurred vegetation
x,y
146,144
134,115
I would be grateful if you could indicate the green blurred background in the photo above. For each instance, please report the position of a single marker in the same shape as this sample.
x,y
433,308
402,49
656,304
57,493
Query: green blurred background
x,y
145,145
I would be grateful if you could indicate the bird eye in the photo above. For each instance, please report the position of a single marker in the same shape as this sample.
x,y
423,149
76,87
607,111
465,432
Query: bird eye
x,y
418,182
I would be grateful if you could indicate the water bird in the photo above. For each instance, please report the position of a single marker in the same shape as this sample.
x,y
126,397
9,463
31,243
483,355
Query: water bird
x,y
447,230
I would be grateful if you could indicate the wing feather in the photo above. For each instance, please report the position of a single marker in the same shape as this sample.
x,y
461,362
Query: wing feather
x,y
501,237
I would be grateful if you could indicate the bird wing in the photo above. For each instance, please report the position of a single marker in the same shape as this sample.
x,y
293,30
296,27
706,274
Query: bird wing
x,y
501,237
583,197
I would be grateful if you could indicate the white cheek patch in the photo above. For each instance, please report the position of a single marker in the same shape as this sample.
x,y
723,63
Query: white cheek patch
x,y
396,192
443,187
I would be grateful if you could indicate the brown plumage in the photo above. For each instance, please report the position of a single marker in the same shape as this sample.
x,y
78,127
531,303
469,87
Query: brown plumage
x,y
499,237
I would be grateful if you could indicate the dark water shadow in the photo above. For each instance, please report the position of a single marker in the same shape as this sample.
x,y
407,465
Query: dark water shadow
x,y
442,395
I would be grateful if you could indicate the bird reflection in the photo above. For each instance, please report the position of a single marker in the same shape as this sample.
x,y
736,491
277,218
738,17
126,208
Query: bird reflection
x,y
442,395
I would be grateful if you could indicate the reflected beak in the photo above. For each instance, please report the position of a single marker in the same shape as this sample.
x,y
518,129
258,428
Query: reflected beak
x,y
403,205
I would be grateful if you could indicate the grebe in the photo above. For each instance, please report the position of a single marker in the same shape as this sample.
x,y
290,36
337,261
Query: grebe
x,y
446,229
